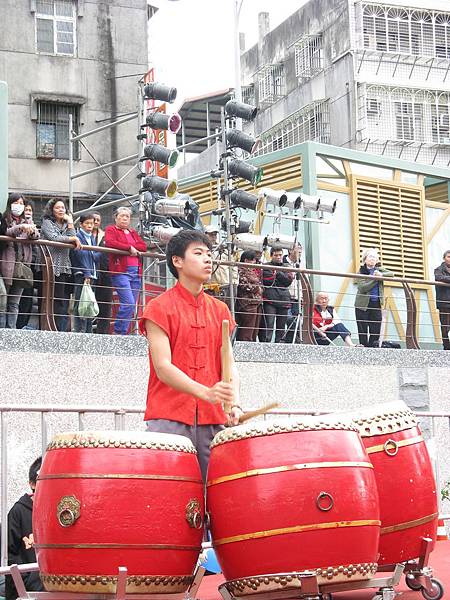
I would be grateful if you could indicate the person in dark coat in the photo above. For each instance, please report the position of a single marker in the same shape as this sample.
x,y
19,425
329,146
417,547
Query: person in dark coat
x,y
3,295
20,538
277,298
442,274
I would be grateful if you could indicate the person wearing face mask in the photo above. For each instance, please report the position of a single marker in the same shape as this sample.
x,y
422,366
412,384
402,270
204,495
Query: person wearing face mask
x,y
26,300
16,227
369,299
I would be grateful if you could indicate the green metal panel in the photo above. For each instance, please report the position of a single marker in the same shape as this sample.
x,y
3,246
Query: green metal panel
x,y
3,145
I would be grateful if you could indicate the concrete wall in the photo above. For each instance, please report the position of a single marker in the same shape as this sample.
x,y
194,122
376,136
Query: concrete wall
x,y
56,369
111,42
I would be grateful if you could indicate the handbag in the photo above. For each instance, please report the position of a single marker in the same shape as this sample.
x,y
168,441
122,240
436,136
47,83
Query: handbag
x,y
87,306
22,274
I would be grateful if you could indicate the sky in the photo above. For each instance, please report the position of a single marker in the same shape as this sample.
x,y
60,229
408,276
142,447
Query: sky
x,y
191,42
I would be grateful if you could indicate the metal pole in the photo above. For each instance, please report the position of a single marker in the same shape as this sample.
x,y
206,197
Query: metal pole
x,y
237,57
110,164
226,193
103,127
70,164
4,492
106,204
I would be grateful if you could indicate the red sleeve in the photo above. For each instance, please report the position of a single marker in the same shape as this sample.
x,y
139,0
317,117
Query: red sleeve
x,y
155,311
112,239
139,242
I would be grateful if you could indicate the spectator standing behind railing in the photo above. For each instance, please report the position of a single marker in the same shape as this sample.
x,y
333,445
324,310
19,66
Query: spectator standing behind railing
x,y
20,537
249,298
84,269
17,226
3,297
221,273
57,226
103,292
126,270
26,300
327,325
293,259
369,299
442,274
277,298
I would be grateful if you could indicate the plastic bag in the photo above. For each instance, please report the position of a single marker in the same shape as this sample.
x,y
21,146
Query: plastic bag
x,y
87,306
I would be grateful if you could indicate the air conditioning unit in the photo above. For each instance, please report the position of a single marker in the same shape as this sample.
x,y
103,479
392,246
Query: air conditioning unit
x,y
373,107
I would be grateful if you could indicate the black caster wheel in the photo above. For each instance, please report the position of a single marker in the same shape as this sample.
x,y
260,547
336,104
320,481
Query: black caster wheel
x,y
412,583
437,592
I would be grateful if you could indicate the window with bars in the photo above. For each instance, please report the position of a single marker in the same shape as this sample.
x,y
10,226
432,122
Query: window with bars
x,y
52,130
270,83
56,27
309,123
409,121
406,30
248,94
308,56
390,217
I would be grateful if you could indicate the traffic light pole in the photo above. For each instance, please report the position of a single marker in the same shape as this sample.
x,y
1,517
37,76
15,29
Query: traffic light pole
x,y
226,195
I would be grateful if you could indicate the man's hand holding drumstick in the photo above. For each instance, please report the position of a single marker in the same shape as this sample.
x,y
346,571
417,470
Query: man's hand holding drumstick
x,y
230,375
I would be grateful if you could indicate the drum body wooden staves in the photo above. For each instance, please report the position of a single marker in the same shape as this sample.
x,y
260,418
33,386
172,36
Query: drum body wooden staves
x,y
110,499
405,479
288,496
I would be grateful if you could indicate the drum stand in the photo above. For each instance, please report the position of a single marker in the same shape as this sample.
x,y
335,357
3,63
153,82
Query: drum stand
x,y
15,571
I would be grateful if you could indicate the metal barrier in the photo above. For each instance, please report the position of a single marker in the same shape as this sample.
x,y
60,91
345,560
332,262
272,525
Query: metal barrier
x,y
298,316
120,417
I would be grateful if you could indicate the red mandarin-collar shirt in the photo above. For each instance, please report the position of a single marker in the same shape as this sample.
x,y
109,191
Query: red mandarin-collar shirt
x,y
194,328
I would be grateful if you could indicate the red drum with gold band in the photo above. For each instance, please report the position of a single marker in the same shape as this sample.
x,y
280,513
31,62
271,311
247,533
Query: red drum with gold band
x,y
405,480
287,496
118,498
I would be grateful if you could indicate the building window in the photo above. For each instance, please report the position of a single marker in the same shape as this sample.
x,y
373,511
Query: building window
x,y
309,123
270,83
52,130
406,30
248,94
55,26
308,56
409,121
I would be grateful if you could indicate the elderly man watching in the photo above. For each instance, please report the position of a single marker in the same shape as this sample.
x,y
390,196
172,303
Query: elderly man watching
x,y
327,325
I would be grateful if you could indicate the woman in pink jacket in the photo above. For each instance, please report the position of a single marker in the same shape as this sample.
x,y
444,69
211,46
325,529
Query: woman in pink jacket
x,y
126,271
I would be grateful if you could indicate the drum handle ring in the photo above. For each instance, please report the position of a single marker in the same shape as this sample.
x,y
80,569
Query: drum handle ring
x,y
193,514
66,517
322,496
394,450
68,510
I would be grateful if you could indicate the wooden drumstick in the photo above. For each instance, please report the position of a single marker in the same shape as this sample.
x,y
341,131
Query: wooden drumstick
x,y
226,357
249,414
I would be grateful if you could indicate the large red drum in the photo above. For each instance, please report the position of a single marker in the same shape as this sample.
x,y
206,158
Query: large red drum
x,y
287,496
405,480
118,498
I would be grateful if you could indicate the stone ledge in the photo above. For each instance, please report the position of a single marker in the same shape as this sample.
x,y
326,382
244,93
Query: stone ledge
x,y
135,345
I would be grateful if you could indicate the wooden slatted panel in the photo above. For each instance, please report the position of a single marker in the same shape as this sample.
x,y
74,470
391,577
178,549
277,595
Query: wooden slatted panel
x,y
389,216
437,193
283,174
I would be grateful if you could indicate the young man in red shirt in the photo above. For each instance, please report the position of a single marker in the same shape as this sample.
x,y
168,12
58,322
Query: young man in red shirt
x,y
184,329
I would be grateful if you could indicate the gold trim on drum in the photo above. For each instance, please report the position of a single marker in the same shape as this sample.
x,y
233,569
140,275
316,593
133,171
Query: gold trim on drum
x,y
293,581
120,546
383,418
119,476
408,524
286,468
107,584
273,427
122,439
295,529
398,443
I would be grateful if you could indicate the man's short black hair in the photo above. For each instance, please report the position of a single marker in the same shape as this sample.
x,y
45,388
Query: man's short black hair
x,y
178,244
33,472
247,255
273,250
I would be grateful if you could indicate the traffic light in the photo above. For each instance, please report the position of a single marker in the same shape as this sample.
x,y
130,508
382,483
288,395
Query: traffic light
x,y
158,120
239,139
241,199
233,108
239,168
158,91
160,154
159,185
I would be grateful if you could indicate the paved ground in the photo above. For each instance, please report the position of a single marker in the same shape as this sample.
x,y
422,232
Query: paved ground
x,y
440,561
